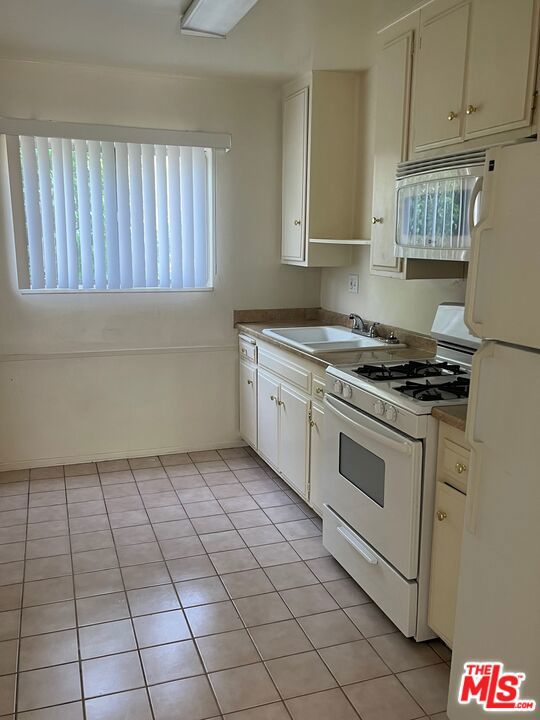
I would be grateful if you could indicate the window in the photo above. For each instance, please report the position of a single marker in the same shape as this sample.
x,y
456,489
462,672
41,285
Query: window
x,y
110,215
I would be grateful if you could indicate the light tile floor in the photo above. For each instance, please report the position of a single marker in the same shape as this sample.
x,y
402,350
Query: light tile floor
x,y
189,587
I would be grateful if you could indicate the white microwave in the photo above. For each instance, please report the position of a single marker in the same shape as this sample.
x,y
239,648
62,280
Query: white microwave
x,y
437,205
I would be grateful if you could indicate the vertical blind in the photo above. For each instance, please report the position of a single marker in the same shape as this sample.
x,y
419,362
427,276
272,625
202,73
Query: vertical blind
x,y
113,215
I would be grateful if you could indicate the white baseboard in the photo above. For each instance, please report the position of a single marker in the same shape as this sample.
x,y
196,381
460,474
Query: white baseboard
x,y
119,455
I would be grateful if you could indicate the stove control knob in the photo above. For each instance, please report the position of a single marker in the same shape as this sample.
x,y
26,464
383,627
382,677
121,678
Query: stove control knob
x,y
378,407
347,392
338,387
390,413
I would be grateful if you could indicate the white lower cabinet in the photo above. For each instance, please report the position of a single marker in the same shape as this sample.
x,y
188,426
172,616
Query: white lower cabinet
x,y
450,495
446,552
283,429
268,417
282,416
316,495
294,411
248,403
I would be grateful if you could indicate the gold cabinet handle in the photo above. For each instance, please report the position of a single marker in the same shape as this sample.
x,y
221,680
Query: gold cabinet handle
x,y
273,397
250,382
297,222
441,515
319,391
375,220
312,423
460,468
280,402
452,115
243,351
471,109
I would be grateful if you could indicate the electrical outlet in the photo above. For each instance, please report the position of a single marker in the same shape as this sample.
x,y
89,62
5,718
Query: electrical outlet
x,y
353,283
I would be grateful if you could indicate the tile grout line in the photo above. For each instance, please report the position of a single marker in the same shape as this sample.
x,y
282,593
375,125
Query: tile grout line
x,y
79,655
138,649
19,639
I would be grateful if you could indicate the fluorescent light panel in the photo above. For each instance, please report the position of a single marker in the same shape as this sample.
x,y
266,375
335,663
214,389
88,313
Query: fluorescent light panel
x,y
214,18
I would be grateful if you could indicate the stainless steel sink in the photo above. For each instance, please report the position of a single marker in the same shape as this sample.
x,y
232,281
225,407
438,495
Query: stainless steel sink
x,y
326,338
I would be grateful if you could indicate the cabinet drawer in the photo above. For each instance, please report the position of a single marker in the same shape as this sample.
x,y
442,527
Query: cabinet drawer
x,y
248,350
395,596
285,369
318,387
454,465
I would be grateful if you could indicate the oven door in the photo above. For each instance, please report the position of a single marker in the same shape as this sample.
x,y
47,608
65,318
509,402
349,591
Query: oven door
x,y
373,480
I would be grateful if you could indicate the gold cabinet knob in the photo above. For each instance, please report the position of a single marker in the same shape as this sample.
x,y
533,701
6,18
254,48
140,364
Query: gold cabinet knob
x,y
460,468
280,402
452,115
319,391
250,382
312,423
243,351
471,109
441,515
375,220
297,222
273,398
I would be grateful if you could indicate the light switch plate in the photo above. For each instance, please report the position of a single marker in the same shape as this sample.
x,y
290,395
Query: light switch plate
x,y
353,283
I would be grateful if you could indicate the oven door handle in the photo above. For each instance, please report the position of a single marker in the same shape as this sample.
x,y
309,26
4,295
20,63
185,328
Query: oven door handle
x,y
401,447
359,546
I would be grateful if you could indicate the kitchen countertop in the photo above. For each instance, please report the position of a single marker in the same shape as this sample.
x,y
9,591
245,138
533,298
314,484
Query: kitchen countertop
x,y
255,330
454,415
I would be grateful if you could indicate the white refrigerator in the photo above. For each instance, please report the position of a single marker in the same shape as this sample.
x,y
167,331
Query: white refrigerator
x,y
498,608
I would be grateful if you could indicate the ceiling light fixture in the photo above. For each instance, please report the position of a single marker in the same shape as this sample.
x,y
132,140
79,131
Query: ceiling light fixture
x,y
214,18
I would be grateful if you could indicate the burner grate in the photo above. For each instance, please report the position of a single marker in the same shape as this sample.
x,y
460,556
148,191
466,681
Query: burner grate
x,y
411,369
426,392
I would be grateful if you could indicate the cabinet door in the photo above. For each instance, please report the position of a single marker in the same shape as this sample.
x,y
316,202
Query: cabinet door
x,y
267,417
248,403
445,559
316,492
391,139
294,439
295,139
440,75
502,64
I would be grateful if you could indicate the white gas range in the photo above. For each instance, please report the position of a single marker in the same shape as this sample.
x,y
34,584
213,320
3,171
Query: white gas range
x,y
380,444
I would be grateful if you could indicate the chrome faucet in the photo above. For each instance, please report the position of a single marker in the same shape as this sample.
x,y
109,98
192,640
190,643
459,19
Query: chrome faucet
x,y
360,326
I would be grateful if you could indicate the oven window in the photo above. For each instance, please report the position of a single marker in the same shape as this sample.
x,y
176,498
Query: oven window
x,y
362,468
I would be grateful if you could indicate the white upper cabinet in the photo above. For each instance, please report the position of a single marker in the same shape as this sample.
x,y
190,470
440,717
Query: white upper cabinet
x,y
475,71
502,65
392,112
391,138
440,77
320,160
295,138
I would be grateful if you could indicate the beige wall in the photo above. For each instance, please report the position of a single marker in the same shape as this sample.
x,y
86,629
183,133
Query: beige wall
x,y
409,304
181,394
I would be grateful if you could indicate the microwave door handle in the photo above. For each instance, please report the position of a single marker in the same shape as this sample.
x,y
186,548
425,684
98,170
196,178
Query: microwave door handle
x,y
477,189
357,545
401,447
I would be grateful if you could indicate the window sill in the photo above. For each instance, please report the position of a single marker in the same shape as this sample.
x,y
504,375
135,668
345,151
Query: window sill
x,y
122,291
